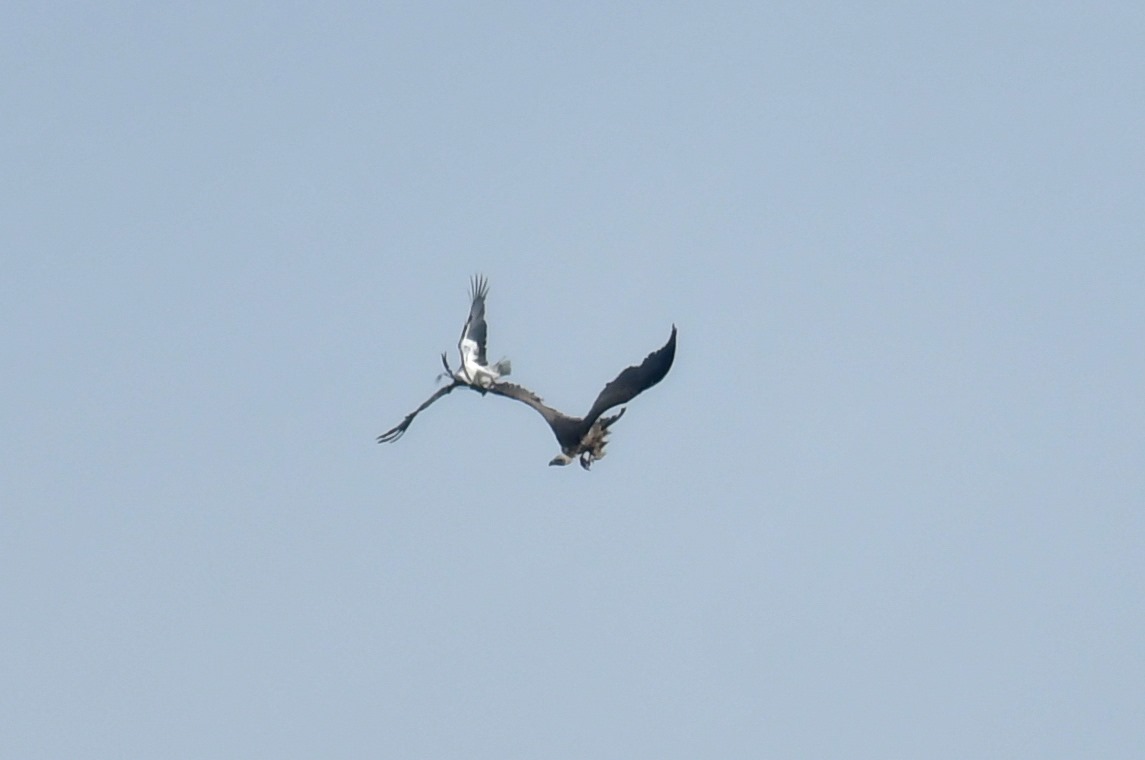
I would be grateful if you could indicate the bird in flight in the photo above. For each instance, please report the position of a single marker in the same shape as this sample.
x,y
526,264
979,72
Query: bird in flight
x,y
585,437
474,371
580,438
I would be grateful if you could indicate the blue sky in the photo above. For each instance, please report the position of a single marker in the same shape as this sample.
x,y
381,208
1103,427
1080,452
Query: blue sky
x,y
888,503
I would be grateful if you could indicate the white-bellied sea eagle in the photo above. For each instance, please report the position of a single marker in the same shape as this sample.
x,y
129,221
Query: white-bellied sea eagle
x,y
474,371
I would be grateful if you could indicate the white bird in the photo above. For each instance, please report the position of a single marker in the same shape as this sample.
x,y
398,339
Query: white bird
x,y
474,371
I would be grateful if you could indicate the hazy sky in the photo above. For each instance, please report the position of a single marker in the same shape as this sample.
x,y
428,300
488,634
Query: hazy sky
x,y
889,503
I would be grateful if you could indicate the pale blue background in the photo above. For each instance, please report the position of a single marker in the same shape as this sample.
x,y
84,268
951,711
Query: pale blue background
x,y
890,502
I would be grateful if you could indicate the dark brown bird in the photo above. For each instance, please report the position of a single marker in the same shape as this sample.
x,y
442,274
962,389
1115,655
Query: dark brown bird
x,y
585,437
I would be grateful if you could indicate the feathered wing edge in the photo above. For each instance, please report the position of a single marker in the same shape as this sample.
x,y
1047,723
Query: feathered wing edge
x,y
526,396
507,390
635,380
399,430
475,328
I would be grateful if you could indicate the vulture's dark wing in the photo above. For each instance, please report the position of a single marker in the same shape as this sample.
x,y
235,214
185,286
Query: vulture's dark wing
x,y
562,425
395,433
473,335
635,380
526,396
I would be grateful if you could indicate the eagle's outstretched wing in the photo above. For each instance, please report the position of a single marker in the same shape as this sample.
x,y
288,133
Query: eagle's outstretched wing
x,y
472,342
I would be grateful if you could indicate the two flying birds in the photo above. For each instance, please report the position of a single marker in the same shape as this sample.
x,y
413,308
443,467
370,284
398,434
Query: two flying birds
x,y
580,438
